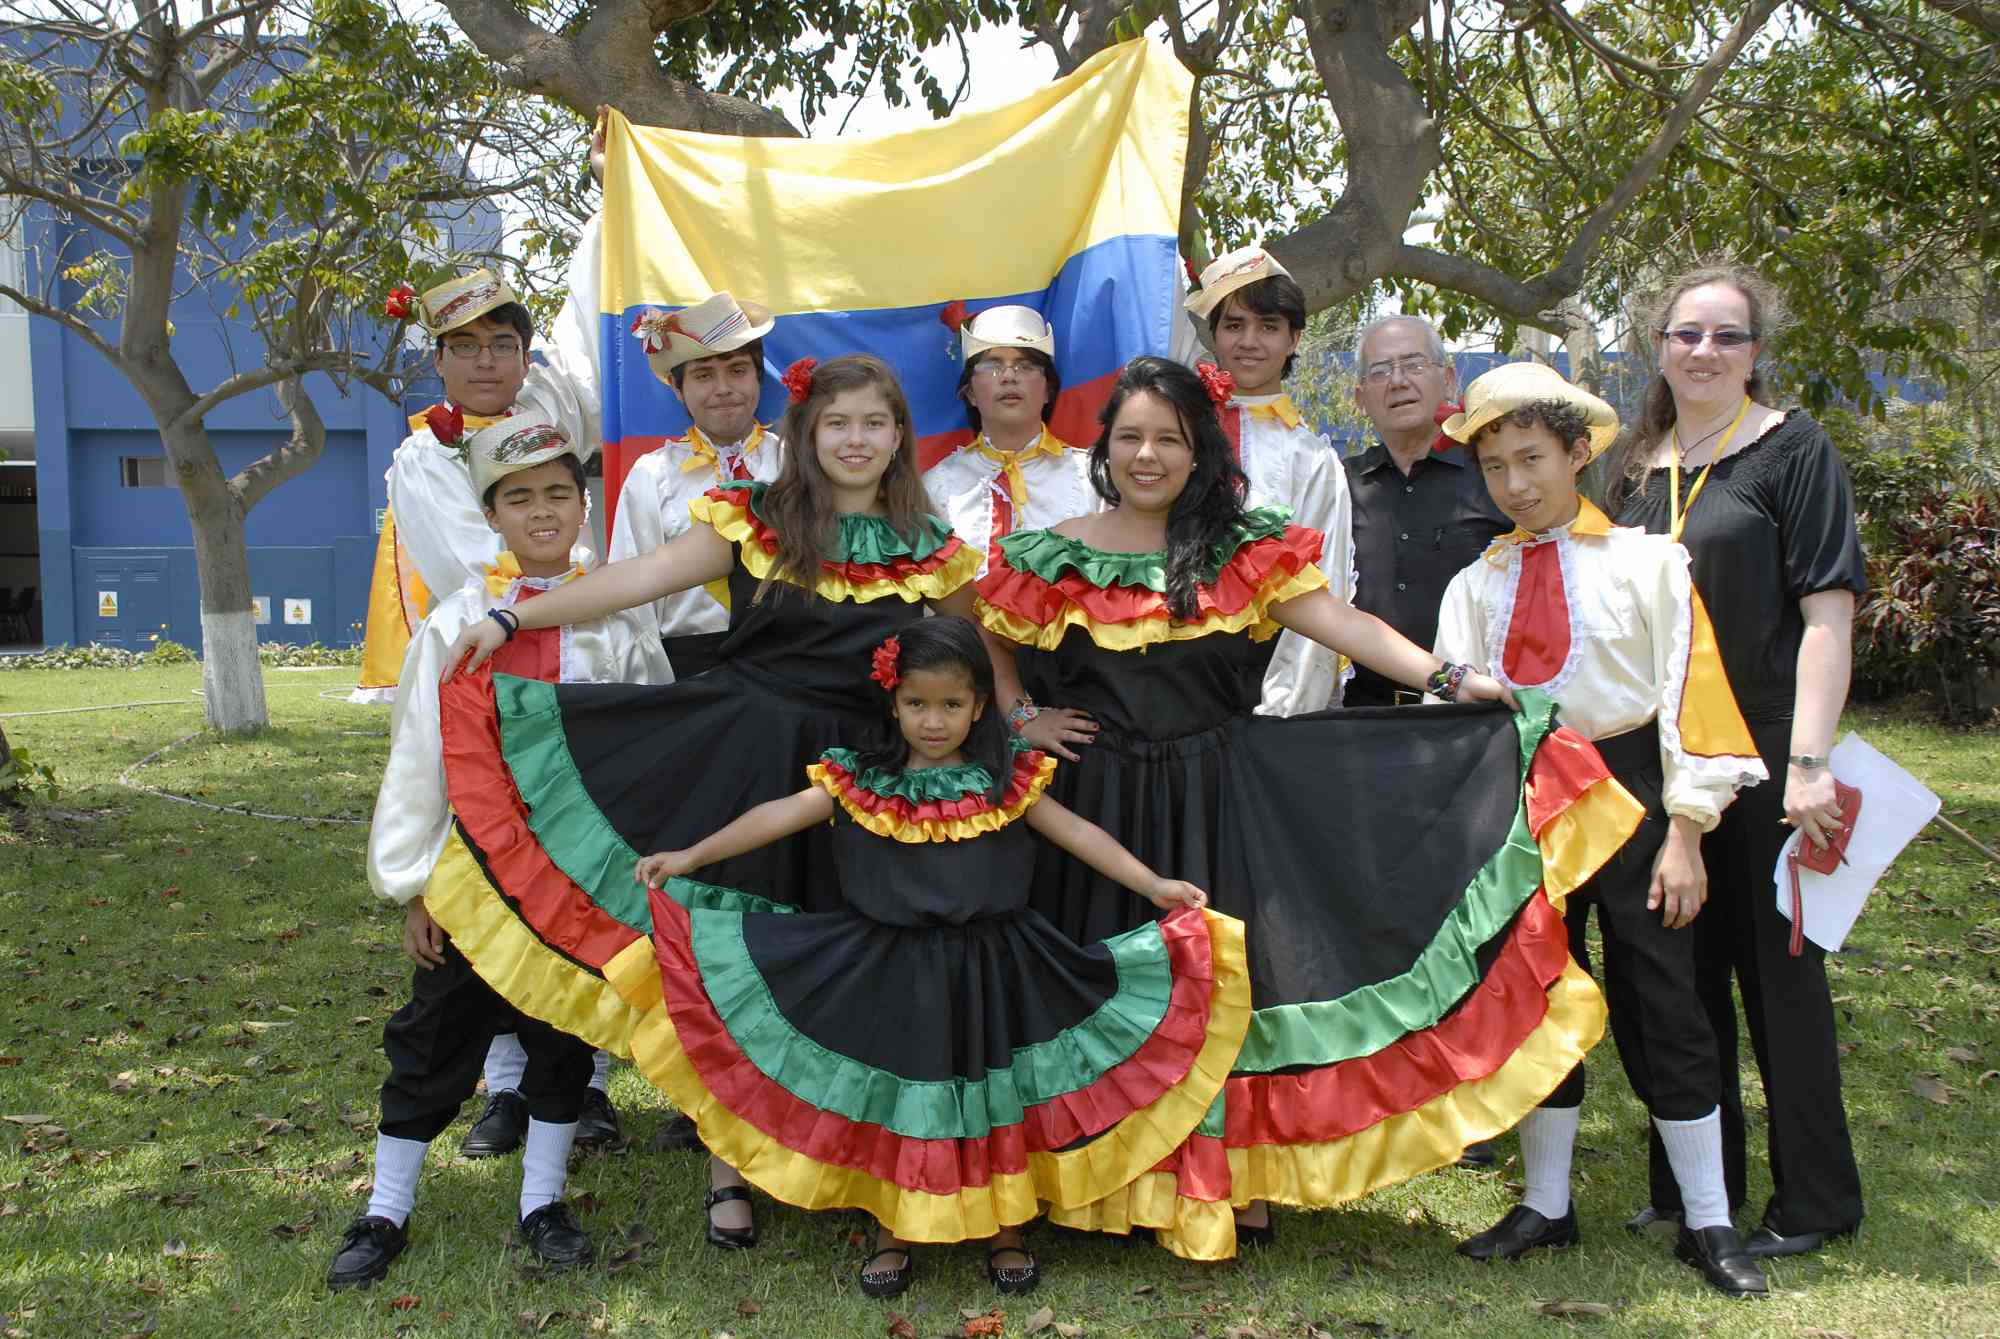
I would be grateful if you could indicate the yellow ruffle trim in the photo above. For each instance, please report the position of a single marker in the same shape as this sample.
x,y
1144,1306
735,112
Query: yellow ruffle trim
x,y
733,522
1578,841
1078,1176
1141,633
522,969
1191,1229
885,823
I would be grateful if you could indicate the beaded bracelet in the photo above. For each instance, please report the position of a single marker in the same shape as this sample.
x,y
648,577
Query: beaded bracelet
x,y
509,621
1021,713
1444,681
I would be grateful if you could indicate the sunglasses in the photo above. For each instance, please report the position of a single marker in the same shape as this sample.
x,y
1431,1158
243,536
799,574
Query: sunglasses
x,y
1689,338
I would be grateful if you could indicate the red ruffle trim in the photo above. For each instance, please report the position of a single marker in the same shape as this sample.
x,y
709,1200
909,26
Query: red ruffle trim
x,y
494,816
935,1166
1027,768
1255,566
1469,1043
1565,766
856,573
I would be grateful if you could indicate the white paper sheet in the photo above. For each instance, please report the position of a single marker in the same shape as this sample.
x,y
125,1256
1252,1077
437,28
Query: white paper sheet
x,y
1895,806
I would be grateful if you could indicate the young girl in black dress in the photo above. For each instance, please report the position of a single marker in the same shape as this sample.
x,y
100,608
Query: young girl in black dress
x,y
935,1052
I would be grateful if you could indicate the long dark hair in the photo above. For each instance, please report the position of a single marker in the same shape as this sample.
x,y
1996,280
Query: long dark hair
x,y
1633,455
946,642
799,503
1210,507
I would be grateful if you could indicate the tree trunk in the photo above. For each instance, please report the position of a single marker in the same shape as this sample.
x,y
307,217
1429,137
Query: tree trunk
x,y
231,679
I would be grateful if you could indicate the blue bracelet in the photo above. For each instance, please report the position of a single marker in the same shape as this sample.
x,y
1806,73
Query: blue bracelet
x,y
510,622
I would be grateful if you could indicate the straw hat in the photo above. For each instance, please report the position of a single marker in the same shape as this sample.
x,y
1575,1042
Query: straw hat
x,y
1512,386
706,330
463,300
1006,328
1229,272
518,442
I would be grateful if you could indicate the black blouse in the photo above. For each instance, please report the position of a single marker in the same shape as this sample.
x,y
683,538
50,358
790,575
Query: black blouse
x,y
1774,524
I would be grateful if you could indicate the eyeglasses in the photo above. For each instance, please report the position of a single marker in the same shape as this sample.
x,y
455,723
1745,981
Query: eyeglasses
x,y
995,371
1408,367
1690,338
467,350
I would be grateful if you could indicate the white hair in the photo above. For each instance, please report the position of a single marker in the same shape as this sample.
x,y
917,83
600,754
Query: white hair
x,y
1383,322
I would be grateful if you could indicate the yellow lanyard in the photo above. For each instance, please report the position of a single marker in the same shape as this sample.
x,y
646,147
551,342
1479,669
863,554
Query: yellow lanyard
x,y
1677,511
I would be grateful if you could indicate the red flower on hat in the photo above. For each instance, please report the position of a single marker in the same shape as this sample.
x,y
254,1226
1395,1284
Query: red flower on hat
x,y
652,326
1444,441
446,422
798,379
397,304
885,658
1219,384
1194,275
953,315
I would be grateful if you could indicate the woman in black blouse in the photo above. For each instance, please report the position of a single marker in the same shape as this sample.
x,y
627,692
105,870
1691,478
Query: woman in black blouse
x,y
1761,500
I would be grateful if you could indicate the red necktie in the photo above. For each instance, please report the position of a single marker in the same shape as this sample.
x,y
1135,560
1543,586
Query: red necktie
x,y
1538,636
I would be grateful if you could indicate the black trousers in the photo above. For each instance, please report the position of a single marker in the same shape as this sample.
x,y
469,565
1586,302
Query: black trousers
x,y
1664,1037
1816,1186
436,1046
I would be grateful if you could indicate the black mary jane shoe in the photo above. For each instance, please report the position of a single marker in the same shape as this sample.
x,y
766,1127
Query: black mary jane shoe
x,y
880,1283
730,1238
679,1136
1012,1280
552,1234
367,1249
500,1127
597,1123
1718,1253
1768,1243
1480,1156
1521,1231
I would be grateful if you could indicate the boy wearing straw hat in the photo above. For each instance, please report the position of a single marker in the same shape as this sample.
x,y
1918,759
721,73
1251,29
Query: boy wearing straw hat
x,y
1256,315
1605,619
524,474
712,356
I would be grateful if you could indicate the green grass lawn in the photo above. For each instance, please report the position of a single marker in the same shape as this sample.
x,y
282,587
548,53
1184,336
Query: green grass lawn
x,y
190,1034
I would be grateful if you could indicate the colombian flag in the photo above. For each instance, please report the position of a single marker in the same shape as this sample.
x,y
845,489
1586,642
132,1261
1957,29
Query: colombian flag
x,y
1067,201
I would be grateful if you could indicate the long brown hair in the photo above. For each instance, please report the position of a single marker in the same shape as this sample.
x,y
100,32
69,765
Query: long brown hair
x,y
799,503
1633,455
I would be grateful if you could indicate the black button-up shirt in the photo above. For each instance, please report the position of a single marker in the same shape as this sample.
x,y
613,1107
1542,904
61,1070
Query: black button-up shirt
x,y
1412,534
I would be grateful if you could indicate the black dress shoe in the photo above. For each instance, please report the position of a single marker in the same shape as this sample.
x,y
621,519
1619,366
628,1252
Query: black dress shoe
x,y
367,1249
679,1135
1767,1242
731,1238
1521,1231
1478,1156
878,1282
597,1123
1718,1253
500,1128
552,1234
1012,1280
1649,1217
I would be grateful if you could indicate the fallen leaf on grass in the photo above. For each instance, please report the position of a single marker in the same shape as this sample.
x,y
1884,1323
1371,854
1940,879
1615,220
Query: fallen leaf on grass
x,y
1566,1306
124,1082
407,1302
993,1322
1245,1332
537,1321
586,1203
175,1249
9,1209
1068,1330
1040,1321
1813,1332
746,1306
29,1120
287,1231
9,1061
1931,1089
1989,1074
900,1327
624,1260
1142,1290
180,1199
1965,1055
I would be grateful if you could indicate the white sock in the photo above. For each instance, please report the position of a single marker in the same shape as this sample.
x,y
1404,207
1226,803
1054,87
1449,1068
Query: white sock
x,y
1548,1139
600,1077
398,1164
545,1163
1694,1149
506,1062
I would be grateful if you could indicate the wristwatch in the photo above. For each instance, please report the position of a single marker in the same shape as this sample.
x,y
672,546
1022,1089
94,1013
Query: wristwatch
x,y
1810,762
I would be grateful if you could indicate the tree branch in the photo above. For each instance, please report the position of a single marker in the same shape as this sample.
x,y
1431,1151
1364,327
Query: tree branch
x,y
77,325
287,462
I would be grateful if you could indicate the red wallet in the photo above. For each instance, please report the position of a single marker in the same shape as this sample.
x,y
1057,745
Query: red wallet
x,y
1822,859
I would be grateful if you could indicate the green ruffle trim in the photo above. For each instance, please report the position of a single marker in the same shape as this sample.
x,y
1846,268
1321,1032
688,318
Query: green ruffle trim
x,y
698,896
923,784
862,539
960,1108
572,830
1366,1019
1048,555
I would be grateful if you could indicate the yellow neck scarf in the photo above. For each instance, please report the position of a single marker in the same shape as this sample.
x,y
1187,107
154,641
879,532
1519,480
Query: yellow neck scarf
x,y
705,456
505,570
1282,409
1048,444
1589,521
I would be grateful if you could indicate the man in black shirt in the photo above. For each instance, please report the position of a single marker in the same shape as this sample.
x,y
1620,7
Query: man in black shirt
x,y
1418,517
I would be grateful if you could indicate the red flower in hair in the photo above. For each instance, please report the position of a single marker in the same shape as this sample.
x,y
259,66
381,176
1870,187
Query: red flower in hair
x,y
397,304
953,315
1219,384
1194,275
446,422
1443,441
798,379
885,673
